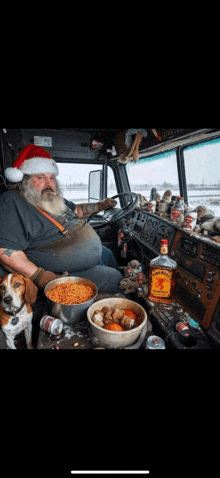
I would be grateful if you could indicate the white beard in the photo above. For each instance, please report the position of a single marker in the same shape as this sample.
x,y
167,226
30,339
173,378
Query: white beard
x,y
53,203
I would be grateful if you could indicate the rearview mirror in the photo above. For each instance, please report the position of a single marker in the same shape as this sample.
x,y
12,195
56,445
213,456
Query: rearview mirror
x,y
95,185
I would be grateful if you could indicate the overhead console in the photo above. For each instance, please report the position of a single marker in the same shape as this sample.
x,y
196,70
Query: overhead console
x,y
61,144
198,273
160,140
163,134
152,137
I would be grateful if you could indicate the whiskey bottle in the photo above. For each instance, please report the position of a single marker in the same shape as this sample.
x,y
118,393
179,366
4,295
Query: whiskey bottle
x,y
162,276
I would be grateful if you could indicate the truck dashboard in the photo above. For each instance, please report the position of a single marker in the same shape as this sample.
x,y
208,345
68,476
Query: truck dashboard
x,y
198,271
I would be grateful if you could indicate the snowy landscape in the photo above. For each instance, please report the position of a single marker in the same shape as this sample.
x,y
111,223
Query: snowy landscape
x,y
202,167
196,197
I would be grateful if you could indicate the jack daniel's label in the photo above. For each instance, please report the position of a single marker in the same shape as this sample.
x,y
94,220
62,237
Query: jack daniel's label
x,y
160,283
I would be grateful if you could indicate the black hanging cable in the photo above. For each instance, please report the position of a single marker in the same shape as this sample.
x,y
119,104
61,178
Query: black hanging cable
x,y
2,150
3,160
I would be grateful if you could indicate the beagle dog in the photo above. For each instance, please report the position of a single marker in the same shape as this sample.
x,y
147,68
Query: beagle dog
x,y
16,295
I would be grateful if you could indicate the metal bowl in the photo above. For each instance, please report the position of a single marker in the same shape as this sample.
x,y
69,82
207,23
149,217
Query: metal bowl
x,y
70,313
117,339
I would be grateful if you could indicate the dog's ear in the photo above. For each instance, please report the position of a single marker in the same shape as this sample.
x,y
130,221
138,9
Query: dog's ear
x,y
30,291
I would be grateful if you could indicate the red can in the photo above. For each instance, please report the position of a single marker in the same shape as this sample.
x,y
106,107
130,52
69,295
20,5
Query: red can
x,y
51,325
152,206
180,326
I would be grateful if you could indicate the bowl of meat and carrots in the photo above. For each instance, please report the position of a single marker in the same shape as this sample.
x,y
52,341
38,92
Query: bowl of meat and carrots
x,y
116,322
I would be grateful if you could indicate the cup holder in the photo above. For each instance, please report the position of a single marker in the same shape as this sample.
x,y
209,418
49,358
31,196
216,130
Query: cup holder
x,y
187,338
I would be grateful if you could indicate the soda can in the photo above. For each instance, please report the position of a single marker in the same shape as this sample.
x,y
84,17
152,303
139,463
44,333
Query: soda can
x,y
180,326
152,206
154,342
51,325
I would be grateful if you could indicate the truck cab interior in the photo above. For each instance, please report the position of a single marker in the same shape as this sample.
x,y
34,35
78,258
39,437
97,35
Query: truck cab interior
x,y
127,164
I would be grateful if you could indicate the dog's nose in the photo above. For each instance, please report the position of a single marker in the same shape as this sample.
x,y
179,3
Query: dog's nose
x,y
8,299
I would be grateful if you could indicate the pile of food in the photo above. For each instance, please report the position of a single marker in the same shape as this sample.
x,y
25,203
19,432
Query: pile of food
x,y
70,293
115,319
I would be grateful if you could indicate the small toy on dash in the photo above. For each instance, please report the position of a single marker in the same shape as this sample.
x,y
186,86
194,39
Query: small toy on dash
x,y
95,144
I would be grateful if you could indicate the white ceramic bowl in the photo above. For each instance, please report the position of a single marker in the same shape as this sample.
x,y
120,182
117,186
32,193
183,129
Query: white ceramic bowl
x,y
112,338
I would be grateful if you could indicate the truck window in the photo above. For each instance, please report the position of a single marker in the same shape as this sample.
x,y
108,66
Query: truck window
x,y
158,171
74,180
202,166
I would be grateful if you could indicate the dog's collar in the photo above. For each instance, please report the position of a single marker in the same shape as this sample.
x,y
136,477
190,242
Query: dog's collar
x,y
15,312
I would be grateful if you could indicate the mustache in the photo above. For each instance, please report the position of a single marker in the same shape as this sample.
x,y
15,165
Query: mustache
x,y
48,189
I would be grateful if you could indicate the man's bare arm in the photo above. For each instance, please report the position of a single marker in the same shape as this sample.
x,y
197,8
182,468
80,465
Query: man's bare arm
x,y
17,261
86,210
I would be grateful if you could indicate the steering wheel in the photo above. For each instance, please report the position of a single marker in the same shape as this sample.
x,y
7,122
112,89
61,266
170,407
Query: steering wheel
x,y
114,215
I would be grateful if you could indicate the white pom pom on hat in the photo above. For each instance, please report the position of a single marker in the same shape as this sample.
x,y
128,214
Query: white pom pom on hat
x,y
31,159
13,175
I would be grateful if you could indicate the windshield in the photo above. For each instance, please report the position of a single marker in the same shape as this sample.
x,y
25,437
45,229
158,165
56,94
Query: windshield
x,y
158,171
202,166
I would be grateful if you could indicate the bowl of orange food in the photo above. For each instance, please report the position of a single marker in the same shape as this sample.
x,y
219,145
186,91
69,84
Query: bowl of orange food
x,y
116,322
70,297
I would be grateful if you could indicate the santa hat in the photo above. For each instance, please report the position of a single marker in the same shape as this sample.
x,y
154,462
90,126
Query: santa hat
x,y
31,160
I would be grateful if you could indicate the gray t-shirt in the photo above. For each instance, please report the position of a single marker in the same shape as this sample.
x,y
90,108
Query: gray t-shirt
x,y
24,228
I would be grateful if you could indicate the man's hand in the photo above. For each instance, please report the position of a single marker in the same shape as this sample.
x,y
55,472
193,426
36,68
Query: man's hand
x,y
86,210
107,204
41,277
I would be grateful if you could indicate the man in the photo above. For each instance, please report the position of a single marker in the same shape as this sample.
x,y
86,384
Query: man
x,y
33,244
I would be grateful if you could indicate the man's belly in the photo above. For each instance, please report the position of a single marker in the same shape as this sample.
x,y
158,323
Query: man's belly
x,y
81,251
